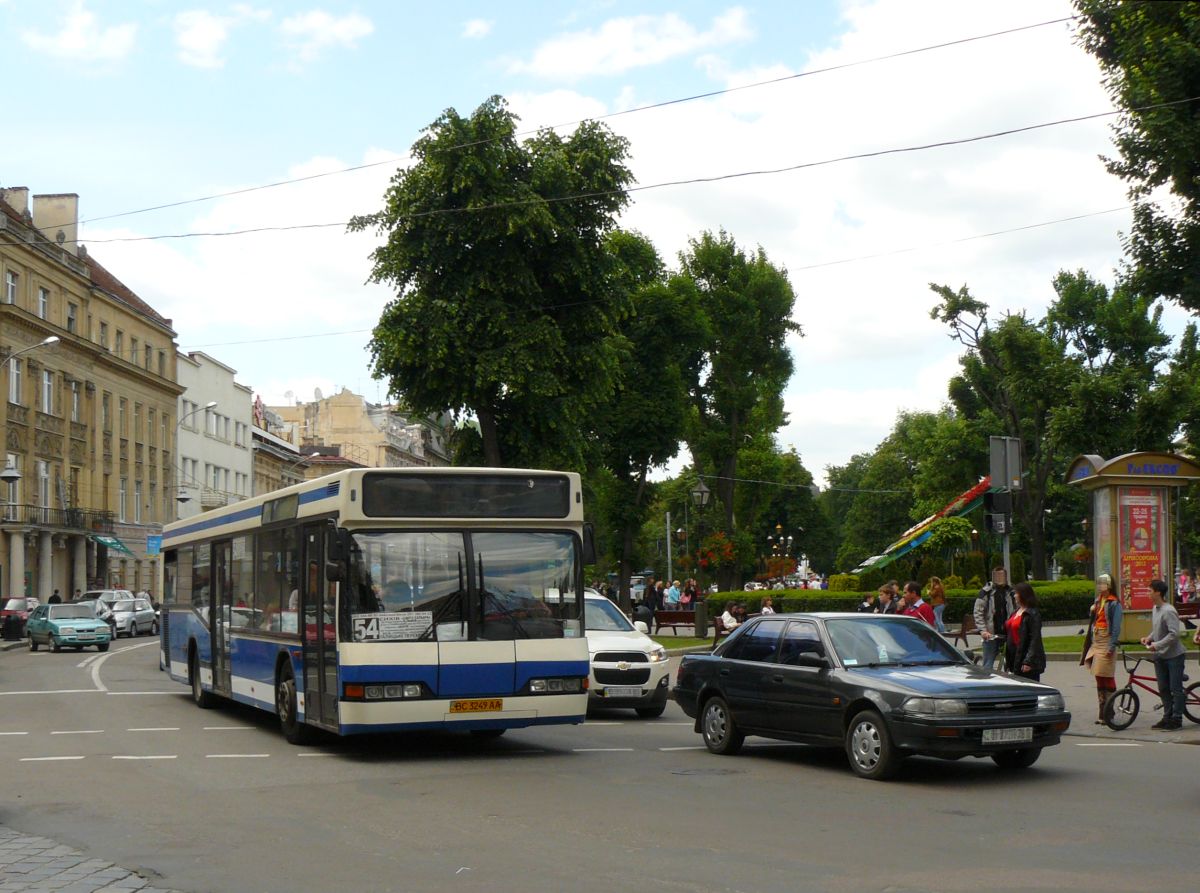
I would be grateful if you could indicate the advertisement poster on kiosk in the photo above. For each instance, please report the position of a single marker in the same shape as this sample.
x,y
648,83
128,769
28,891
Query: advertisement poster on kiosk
x,y
1143,543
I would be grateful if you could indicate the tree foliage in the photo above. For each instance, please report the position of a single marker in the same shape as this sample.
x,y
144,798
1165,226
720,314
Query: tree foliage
x,y
1149,53
507,301
736,392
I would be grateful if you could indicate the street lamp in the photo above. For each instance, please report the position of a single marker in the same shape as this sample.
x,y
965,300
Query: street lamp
x,y
211,404
298,462
45,342
10,475
700,496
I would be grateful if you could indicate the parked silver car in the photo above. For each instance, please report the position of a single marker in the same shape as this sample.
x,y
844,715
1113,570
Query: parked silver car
x,y
134,616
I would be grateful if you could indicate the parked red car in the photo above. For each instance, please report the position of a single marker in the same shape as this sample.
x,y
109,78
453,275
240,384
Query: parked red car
x,y
19,609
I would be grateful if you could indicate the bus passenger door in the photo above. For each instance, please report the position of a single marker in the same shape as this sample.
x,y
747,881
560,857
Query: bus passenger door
x,y
320,637
222,602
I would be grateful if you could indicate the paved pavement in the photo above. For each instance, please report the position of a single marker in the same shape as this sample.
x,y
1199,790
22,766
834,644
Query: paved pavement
x,y
40,864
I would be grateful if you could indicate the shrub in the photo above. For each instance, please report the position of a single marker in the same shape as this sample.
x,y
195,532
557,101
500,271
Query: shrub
x,y
843,583
1018,567
871,580
954,581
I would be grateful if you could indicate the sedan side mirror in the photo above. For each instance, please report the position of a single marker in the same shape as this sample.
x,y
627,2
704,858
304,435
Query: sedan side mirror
x,y
812,659
970,655
640,626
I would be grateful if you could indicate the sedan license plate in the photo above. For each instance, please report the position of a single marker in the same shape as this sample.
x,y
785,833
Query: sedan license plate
x,y
83,636
623,691
1008,736
477,705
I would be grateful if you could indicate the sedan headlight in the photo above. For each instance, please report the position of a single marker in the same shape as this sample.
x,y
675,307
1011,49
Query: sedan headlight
x,y
1052,702
66,631
936,706
658,655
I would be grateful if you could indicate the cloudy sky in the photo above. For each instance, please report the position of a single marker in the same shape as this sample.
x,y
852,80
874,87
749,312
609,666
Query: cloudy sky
x,y
135,105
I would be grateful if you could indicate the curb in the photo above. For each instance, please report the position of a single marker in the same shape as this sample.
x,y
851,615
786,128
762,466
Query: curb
x,y
1112,736
13,646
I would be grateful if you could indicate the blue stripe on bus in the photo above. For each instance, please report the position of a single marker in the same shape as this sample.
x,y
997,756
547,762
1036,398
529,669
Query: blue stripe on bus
x,y
327,492
456,680
363,673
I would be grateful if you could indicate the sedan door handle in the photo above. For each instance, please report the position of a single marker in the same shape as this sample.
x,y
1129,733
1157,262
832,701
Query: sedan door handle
x,y
776,678
724,672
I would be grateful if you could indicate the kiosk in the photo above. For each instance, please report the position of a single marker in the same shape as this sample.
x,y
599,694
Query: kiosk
x,y
1131,524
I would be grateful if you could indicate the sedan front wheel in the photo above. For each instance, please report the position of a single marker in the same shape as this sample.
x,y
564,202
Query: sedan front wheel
x,y
720,732
869,747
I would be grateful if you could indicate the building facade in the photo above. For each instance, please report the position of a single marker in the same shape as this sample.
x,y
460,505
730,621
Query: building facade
x,y
88,419
277,460
364,433
216,448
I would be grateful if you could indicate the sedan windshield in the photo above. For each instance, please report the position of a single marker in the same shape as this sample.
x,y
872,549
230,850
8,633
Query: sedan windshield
x,y
601,614
898,642
72,612
15,604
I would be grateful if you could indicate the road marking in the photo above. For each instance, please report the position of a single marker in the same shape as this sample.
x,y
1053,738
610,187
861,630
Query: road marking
x,y
316,755
14,733
669,723
160,756
236,756
589,723
80,732
228,728
603,750
693,747
47,759
161,692
58,691
99,662
1107,744
156,729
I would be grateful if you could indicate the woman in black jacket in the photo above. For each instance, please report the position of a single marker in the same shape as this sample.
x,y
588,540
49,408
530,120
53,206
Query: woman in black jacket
x,y
1025,654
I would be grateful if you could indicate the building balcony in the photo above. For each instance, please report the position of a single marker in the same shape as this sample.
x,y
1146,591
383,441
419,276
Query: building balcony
x,y
72,519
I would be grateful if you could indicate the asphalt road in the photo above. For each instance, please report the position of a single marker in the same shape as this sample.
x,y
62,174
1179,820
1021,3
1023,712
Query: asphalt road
x,y
105,754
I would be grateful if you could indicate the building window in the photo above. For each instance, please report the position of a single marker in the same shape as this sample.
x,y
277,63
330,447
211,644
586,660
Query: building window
x,y
106,412
121,429
104,335
149,355
72,316
210,422
119,343
74,401
162,363
137,502
150,428
47,392
43,308
43,476
137,421
133,350
10,287
13,496
14,381
121,494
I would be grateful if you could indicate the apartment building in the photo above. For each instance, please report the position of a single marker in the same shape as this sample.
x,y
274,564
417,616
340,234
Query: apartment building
x,y
89,379
216,459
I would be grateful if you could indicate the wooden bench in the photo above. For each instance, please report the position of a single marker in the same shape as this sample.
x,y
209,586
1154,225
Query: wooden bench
x,y
673,619
967,629
719,630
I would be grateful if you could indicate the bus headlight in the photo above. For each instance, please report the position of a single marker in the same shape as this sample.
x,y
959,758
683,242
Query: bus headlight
x,y
556,685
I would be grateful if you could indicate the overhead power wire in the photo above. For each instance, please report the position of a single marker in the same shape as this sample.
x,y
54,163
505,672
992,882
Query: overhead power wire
x,y
642,108
845,260
474,209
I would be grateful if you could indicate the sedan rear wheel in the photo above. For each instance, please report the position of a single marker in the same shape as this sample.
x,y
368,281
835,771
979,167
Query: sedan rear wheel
x,y
869,747
720,732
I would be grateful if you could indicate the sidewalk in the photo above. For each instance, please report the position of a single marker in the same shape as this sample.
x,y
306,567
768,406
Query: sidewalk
x,y
38,863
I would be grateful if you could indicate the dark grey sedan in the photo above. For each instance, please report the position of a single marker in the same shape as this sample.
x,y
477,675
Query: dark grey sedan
x,y
883,687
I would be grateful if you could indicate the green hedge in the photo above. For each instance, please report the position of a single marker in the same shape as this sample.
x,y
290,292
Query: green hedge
x,y
1065,600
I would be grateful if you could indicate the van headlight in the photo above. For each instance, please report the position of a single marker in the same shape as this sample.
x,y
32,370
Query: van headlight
x,y
1052,702
936,706
658,655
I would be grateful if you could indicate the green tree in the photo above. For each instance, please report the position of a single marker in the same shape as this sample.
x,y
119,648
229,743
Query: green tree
x,y
1149,53
737,390
507,303
639,427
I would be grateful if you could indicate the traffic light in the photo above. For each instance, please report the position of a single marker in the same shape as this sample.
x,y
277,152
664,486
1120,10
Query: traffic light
x,y
997,502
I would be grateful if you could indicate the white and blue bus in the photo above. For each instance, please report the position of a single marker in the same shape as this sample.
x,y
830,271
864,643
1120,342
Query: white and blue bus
x,y
385,600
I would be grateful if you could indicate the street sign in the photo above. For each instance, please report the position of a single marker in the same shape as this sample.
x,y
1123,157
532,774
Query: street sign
x,y
1005,464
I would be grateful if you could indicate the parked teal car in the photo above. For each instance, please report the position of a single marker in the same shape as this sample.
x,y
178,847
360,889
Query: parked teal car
x,y
75,626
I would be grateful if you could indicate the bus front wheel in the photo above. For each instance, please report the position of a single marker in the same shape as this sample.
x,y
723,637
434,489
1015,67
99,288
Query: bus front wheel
x,y
294,730
201,698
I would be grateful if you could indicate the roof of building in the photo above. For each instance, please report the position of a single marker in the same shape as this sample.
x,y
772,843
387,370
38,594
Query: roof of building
x,y
107,282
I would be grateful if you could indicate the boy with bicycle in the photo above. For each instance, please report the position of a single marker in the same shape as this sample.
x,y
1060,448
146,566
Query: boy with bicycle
x,y
1169,654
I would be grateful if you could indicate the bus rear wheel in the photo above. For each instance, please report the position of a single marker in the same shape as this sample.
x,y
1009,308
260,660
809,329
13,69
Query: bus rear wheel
x,y
294,730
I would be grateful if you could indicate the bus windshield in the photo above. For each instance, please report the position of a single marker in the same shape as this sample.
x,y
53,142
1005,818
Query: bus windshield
x,y
423,585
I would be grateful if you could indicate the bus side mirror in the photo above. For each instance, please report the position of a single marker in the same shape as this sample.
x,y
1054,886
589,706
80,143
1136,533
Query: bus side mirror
x,y
589,543
337,554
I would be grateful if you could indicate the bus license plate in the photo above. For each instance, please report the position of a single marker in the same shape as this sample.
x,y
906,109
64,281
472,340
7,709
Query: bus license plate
x,y
1008,736
477,705
623,691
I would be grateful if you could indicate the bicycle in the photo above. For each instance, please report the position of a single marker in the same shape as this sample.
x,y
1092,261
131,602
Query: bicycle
x,y
1122,707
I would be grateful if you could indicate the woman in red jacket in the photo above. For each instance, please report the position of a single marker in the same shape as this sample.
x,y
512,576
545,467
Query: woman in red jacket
x,y
1025,654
